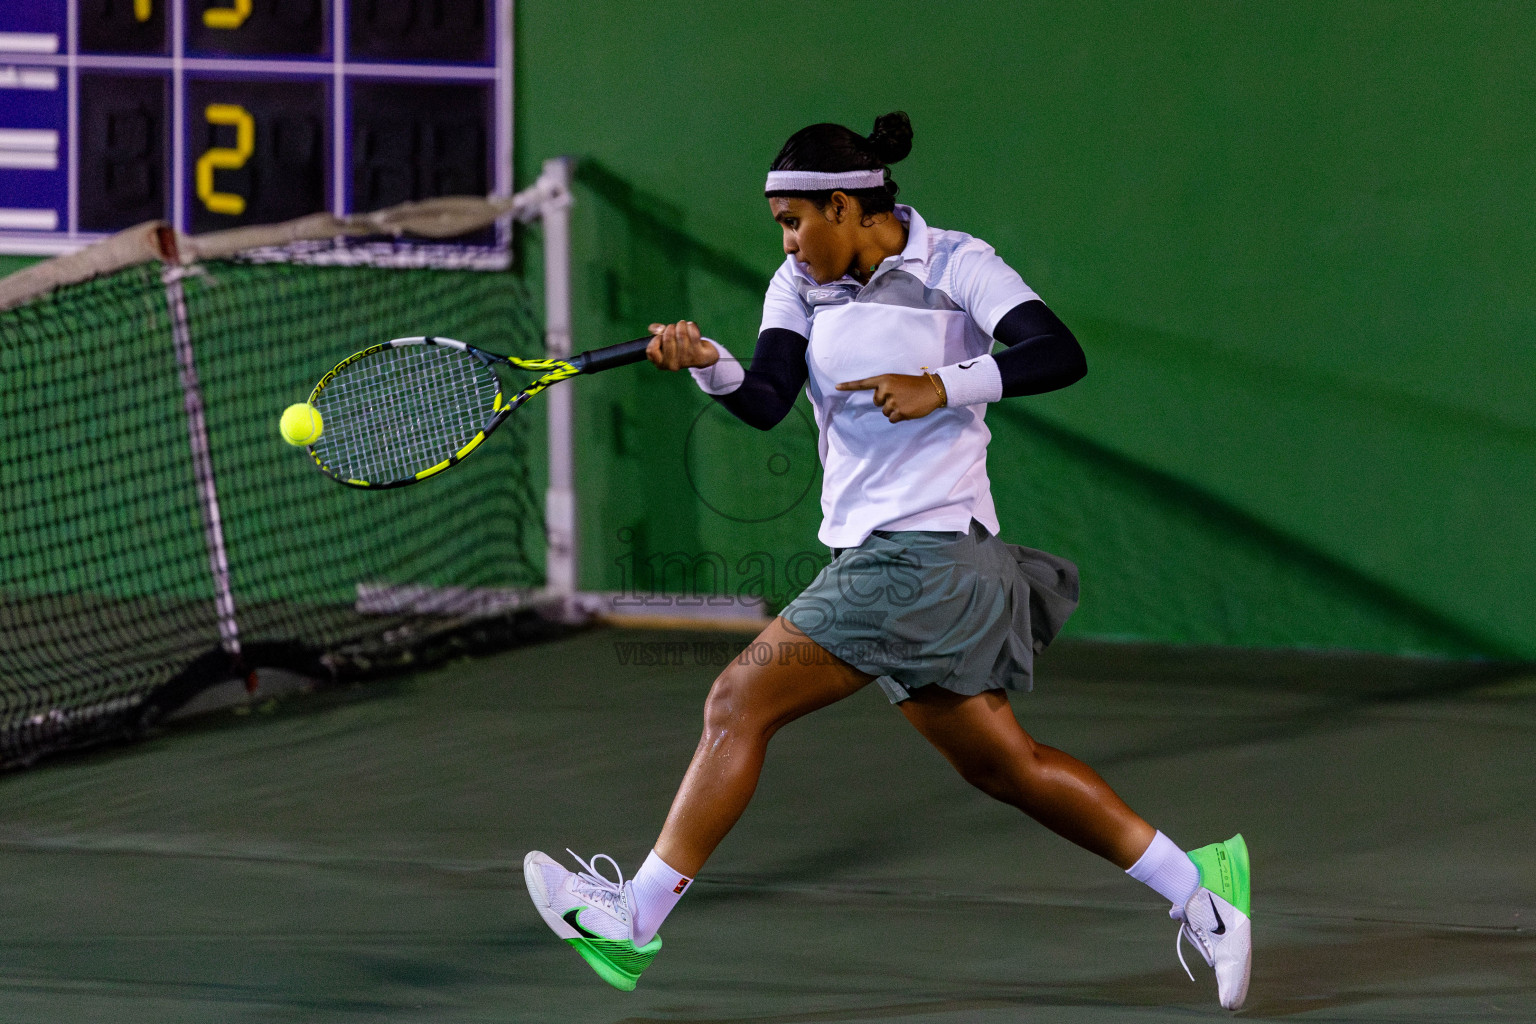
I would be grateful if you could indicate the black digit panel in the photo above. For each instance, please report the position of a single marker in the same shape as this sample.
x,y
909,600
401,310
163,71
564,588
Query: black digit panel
x,y
257,28
123,178
124,26
451,30
415,141
275,173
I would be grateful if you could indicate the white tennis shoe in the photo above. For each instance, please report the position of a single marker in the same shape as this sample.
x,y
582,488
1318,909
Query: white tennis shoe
x,y
592,913
1215,919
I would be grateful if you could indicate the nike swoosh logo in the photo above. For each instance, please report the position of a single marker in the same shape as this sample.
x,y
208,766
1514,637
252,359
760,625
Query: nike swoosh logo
x,y
1220,929
571,919
967,366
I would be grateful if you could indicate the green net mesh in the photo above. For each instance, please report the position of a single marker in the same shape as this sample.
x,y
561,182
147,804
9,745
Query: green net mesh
x,y
108,615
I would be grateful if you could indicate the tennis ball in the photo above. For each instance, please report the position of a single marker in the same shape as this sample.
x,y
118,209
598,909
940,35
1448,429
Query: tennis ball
x,y
300,424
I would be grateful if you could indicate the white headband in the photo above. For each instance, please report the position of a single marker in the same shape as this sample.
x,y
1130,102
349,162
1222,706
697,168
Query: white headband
x,y
822,181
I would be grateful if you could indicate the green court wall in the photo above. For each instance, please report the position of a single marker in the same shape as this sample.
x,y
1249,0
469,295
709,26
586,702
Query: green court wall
x,y
1293,238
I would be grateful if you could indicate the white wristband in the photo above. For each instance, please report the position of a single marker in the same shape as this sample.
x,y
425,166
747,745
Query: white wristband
x,y
972,381
724,375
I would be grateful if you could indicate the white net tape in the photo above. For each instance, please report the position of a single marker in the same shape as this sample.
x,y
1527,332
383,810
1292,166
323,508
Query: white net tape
x,y
378,238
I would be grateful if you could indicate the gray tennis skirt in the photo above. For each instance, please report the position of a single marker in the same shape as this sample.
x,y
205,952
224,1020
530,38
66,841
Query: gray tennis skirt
x,y
922,608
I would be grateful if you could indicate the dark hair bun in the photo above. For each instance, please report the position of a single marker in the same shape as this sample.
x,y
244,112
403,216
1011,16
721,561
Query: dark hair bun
x,y
891,140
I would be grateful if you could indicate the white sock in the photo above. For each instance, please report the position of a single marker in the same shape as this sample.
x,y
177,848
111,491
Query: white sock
x,y
653,892
1167,869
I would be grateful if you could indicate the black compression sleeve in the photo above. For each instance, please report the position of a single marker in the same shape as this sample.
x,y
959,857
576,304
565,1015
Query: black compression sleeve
x,y
1042,354
773,383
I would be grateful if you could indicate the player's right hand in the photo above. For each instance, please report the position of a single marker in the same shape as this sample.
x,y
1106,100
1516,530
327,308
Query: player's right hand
x,y
679,345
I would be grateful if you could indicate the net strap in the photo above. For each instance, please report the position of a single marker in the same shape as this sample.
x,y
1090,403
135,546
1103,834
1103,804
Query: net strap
x,y
202,461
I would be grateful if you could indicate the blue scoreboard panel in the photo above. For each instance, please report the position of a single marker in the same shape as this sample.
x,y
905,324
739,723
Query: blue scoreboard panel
x,y
215,114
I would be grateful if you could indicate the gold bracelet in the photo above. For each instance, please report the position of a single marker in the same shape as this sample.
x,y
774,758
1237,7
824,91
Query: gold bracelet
x,y
938,385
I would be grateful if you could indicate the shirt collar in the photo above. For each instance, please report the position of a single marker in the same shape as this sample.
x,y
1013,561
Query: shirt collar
x,y
917,234
916,249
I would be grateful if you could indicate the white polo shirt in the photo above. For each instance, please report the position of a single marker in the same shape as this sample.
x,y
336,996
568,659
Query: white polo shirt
x,y
934,305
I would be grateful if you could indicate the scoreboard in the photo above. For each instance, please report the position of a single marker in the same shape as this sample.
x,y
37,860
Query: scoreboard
x,y
215,114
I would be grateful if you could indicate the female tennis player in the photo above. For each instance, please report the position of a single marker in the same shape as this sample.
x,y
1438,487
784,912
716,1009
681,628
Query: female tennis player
x,y
888,325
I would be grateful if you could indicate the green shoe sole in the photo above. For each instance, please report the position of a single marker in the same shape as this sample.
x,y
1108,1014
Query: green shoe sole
x,y
617,961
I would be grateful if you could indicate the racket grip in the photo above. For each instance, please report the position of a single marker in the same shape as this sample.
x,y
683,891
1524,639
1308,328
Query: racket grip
x,y
621,354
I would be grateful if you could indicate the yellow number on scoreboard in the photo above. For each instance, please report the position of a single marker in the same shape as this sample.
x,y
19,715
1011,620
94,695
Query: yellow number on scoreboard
x,y
223,17
222,158
142,9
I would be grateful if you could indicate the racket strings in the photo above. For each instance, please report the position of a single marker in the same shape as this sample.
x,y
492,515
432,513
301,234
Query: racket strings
x,y
398,412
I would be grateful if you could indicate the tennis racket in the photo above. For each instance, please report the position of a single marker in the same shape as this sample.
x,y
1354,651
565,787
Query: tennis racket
x,y
410,408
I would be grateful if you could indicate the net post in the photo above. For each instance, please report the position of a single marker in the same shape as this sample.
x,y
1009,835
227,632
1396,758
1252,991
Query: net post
x,y
560,498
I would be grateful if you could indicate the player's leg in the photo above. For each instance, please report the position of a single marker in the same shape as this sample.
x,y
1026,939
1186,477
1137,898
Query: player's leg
x,y
748,703
1209,887
780,677
980,736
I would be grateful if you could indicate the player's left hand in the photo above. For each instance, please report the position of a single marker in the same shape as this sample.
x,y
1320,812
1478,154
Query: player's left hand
x,y
901,396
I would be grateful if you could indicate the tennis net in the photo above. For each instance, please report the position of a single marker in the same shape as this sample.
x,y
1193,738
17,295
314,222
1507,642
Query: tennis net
x,y
156,535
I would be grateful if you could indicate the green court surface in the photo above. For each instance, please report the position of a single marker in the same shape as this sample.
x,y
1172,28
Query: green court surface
x,y
355,855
